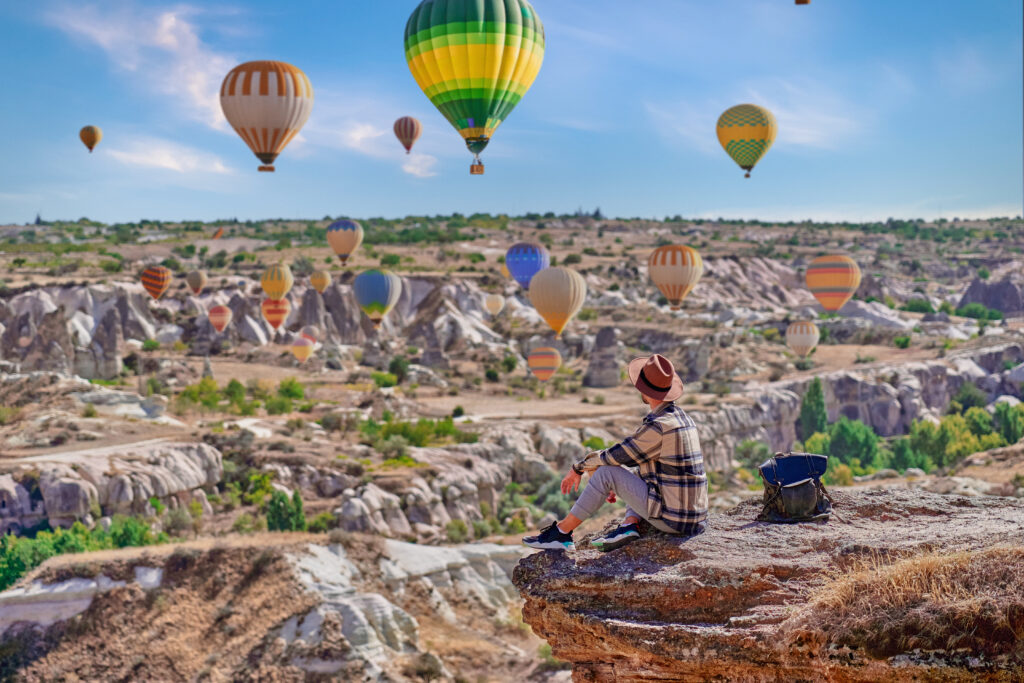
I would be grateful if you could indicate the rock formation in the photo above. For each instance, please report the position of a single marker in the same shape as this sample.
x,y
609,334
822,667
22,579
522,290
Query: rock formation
x,y
730,604
1006,295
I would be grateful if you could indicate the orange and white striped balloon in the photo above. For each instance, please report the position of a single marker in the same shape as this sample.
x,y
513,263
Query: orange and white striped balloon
x,y
302,349
267,103
543,362
156,280
802,337
407,130
675,270
275,311
220,317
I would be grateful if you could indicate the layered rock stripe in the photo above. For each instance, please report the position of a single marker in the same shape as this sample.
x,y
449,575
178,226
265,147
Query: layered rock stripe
x,y
675,270
267,103
474,60
544,362
277,281
833,280
156,280
746,132
802,337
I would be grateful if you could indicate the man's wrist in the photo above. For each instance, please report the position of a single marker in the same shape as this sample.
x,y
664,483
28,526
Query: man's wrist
x,y
577,468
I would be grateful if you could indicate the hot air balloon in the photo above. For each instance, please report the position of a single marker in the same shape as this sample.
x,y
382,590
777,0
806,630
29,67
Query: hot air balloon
x,y
196,281
475,61
220,317
277,281
302,349
90,136
494,303
833,280
310,332
558,294
217,235
156,280
802,337
320,280
543,362
407,130
377,292
803,2
526,259
675,270
746,132
275,311
267,103
344,236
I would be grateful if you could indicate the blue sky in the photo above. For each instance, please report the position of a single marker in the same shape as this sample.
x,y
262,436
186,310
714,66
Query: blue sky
x,y
908,109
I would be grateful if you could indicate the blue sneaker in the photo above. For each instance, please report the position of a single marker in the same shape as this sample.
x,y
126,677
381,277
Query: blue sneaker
x,y
616,538
550,538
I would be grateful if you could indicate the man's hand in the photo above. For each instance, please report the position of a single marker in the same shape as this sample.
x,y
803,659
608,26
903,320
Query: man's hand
x,y
571,482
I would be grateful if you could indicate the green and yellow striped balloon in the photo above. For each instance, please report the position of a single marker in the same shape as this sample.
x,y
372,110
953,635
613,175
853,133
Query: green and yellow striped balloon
x,y
474,59
746,132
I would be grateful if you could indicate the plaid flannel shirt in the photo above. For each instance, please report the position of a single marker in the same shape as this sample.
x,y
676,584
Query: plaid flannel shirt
x,y
666,451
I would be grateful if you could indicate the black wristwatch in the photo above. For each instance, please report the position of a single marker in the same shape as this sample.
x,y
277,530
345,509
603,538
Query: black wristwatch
x,y
577,468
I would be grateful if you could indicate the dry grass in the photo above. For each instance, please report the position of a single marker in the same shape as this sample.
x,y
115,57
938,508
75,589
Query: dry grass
x,y
972,600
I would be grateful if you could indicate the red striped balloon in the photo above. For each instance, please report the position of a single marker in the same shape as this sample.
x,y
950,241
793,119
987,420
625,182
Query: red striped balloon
x,y
220,317
544,362
275,311
156,280
407,130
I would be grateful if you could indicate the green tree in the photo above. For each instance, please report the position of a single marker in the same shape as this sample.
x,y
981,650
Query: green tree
x,y
284,514
813,416
979,421
1010,422
969,396
751,453
849,439
904,456
399,367
818,443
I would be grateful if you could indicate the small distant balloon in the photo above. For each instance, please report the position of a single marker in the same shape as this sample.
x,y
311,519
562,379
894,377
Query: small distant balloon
x,y
407,130
196,281
310,332
344,236
220,317
525,259
494,303
746,132
320,280
302,349
544,362
277,281
90,136
802,337
675,270
156,280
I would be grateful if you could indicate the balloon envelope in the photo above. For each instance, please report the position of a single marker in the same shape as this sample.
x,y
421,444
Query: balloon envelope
x,y
558,294
407,130
543,362
675,270
90,136
220,317
310,332
275,311
833,280
344,236
267,103
320,280
802,337
377,292
494,303
526,259
156,280
746,132
277,281
196,281
302,349
474,60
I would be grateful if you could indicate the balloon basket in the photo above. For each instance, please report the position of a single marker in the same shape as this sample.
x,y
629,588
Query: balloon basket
x,y
476,169
265,169
747,174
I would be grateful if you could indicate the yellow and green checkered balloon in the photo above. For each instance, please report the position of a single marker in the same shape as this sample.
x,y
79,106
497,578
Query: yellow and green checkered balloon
x,y
474,59
746,132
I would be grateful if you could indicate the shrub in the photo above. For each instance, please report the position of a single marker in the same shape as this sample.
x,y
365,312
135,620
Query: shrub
x,y
919,306
399,367
901,342
291,388
384,379
979,312
1009,421
509,363
390,260
481,528
491,375
89,410
903,456
818,443
322,523
947,308
458,411
837,474
457,531
970,396
278,405
284,514
150,345
178,521
244,524
594,443
813,416
983,273
751,453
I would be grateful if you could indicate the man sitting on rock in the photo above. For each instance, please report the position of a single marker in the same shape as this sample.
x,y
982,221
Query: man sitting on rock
x,y
671,489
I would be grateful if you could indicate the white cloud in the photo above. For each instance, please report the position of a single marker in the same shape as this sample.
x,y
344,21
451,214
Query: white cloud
x,y
420,165
149,152
160,49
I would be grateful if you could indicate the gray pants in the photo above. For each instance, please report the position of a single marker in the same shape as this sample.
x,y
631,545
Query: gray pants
x,y
628,487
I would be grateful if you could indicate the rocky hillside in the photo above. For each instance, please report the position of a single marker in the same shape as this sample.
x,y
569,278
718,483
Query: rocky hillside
x,y
749,601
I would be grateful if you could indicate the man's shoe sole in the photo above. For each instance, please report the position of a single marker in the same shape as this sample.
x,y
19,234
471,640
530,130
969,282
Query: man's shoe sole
x,y
617,543
551,545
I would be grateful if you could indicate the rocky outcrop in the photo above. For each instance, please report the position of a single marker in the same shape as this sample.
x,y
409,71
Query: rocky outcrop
x,y
605,360
723,605
1006,295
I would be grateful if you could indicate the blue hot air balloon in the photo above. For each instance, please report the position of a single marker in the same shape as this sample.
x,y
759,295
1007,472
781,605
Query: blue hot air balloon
x,y
377,292
526,259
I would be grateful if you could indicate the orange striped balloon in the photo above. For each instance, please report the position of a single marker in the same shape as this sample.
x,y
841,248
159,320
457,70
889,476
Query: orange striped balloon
x,y
302,349
802,337
833,280
320,280
220,233
275,311
407,130
675,270
544,362
220,317
267,103
156,280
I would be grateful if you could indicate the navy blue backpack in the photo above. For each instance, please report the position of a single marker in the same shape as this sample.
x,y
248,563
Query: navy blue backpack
x,y
793,491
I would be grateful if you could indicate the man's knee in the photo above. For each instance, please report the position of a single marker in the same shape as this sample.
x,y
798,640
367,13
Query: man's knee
x,y
601,477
